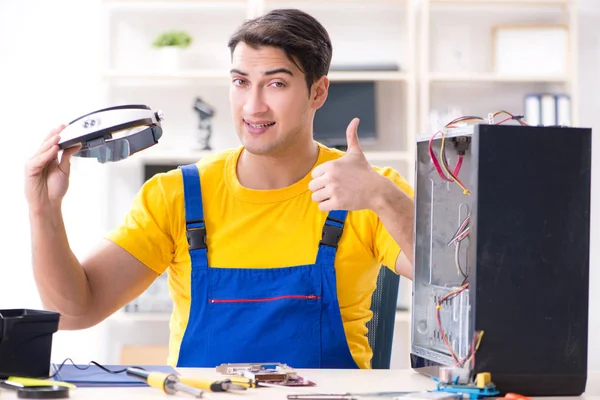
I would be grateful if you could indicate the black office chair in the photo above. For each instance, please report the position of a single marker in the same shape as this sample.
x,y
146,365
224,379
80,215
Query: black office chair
x,y
381,326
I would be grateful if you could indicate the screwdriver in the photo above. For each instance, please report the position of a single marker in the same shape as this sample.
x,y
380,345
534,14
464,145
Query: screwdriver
x,y
213,386
168,383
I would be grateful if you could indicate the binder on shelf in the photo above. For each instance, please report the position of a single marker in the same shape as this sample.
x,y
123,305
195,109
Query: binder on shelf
x,y
533,109
548,109
548,105
563,109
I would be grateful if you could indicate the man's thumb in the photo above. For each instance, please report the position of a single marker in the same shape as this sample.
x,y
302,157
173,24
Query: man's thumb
x,y
65,160
352,136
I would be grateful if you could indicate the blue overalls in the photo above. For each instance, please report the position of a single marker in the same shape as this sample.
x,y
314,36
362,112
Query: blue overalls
x,y
241,315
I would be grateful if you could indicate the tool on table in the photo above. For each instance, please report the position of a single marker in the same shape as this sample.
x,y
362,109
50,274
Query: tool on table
x,y
514,396
39,382
212,385
264,374
168,383
379,395
36,392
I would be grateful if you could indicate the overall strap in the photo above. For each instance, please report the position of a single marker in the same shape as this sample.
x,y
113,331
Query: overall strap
x,y
194,216
332,233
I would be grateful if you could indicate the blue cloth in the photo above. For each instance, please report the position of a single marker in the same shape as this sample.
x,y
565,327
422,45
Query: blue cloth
x,y
241,315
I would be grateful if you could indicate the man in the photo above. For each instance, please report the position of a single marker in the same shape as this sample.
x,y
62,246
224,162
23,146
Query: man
x,y
272,248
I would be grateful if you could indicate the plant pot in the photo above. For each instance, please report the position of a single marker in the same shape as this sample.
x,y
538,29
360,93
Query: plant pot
x,y
168,58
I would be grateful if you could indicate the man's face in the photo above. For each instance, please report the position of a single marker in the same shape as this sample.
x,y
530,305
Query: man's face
x,y
270,102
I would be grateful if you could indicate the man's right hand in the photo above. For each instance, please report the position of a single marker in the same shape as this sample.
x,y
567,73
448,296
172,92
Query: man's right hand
x,y
84,293
47,178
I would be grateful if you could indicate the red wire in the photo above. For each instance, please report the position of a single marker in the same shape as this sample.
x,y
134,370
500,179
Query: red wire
x,y
458,165
437,165
504,120
439,322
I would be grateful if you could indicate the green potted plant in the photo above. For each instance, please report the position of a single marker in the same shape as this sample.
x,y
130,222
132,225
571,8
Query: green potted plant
x,y
170,44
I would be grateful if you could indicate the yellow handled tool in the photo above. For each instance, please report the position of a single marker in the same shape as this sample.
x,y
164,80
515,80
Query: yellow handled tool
x,y
212,385
168,383
39,382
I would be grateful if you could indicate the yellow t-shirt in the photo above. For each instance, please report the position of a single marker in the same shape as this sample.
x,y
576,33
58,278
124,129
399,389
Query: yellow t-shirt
x,y
257,229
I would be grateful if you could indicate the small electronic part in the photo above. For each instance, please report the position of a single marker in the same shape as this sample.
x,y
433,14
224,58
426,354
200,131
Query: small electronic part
x,y
482,387
265,374
453,375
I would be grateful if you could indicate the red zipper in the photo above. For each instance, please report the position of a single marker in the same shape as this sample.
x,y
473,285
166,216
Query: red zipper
x,y
308,297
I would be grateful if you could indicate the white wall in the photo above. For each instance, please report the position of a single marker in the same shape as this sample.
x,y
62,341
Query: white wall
x,y
49,73
589,50
50,63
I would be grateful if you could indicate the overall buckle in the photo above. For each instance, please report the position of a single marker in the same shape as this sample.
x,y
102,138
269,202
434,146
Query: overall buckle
x,y
196,237
331,233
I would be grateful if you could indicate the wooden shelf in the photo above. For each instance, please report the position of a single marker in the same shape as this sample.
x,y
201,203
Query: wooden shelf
x,y
491,77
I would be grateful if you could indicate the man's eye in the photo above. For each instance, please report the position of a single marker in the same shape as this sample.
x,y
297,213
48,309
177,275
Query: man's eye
x,y
278,84
238,81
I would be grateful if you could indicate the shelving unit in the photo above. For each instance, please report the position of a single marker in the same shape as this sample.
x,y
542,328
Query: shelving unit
x,y
382,32
442,48
455,67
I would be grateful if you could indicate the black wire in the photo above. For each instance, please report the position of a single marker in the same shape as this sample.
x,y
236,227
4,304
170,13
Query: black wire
x,y
89,365
460,231
465,280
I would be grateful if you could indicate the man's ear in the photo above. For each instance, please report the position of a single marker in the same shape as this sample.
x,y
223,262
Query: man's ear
x,y
319,91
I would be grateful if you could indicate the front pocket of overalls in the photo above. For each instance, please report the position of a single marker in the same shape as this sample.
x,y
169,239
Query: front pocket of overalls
x,y
260,315
264,300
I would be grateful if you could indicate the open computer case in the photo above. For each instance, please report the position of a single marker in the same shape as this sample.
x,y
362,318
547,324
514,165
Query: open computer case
x,y
502,257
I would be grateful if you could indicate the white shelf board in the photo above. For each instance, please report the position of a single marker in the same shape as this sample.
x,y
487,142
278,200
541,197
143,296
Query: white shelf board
x,y
504,3
122,316
388,155
403,316
177,5
367,76
491,77
224,75
334,1
159,75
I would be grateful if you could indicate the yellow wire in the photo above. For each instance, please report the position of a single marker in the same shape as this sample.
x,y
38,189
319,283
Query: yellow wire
x,y
465,190
476,348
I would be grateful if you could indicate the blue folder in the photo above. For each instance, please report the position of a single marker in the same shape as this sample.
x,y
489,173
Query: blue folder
x,y
93,376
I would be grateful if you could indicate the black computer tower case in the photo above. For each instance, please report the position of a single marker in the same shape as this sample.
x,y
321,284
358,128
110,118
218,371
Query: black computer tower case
x,y
504,266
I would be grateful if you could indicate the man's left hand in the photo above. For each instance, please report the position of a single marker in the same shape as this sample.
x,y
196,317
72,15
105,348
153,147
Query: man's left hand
x,y
348,183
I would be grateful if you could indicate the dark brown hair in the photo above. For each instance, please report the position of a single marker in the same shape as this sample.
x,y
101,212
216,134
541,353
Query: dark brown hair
x,y
299,35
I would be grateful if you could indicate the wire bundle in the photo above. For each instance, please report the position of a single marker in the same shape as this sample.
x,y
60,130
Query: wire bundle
x,y
441,165
461,234
469,358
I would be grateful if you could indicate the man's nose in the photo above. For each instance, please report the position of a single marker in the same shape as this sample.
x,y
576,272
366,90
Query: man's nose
x,y
255,102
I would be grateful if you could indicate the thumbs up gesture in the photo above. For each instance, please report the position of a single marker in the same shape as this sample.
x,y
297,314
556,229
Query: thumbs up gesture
x,y
348,183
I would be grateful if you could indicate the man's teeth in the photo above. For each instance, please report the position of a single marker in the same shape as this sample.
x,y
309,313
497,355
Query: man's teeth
x,y
261,125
